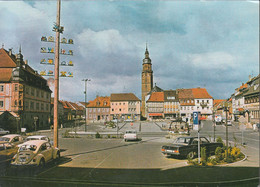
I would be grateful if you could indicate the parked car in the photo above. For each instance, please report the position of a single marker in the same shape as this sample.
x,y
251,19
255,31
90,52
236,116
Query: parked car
x,y
35,153
3,132
188,147
12,139
130,135
37,137
7,151
129,120
229,123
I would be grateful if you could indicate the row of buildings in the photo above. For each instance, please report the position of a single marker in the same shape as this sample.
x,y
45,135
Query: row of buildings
x,y
243,104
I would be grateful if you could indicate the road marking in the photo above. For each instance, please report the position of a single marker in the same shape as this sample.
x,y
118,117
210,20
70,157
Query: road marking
x,y
90,173
75,157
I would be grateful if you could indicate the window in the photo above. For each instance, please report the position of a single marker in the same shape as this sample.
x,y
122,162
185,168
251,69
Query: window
x,y
15,87
1,88
112,109
37,93
32,105
32,91
90,109
198,101
27,90
37,106
42,94
207,101
120,109
98,109
47,107
1,104
42,106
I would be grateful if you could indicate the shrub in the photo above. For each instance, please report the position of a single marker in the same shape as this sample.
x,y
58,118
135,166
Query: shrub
x,y
219,154
204,157
108,136
98,135
219,140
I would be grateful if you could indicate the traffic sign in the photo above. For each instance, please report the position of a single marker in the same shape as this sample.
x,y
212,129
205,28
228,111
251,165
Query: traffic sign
x,y
195,118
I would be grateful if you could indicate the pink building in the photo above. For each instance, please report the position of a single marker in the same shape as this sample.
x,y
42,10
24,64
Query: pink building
x,y
125,106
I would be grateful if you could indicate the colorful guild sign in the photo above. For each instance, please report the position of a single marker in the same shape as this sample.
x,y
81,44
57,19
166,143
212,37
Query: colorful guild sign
x,y
50,61
44,39
64,40
43,50
43,61
63,51
70,74
43,73
50,39
50,73
70,63
63,73
63,63
50,50
70,52
70,41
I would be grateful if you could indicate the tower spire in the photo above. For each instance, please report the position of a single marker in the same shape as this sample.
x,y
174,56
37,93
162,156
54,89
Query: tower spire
x,y
20,49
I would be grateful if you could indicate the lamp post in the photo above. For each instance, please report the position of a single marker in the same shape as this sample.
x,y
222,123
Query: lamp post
x,y
85,92
226,110
35,122
17,125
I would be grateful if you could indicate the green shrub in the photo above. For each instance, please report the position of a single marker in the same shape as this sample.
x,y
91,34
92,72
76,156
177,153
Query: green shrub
x,y
98,135
204,157
108,136
219,140
219,154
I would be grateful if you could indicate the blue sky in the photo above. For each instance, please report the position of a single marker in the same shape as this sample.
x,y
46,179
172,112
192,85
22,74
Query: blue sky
x,y
191,43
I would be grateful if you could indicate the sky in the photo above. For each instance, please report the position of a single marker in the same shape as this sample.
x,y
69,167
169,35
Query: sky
x,y
209,44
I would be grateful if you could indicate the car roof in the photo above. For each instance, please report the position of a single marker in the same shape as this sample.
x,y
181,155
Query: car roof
x,y
11,135
35,142
37,136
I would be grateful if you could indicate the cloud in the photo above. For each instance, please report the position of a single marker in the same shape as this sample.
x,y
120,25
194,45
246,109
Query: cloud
x,y
214,60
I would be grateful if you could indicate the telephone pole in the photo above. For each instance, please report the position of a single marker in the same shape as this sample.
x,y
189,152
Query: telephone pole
x,y
85,92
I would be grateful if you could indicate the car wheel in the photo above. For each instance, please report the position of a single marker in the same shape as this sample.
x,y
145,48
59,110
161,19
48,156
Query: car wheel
x,y
41,164
190,155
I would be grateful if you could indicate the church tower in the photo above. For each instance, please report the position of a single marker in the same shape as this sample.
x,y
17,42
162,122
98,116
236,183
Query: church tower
x,y
147,79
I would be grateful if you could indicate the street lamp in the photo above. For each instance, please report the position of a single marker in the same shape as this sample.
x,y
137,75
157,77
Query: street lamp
x,y
35,122
17,125
226,110
85,92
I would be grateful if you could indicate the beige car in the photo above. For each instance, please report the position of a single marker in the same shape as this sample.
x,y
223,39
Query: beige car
x,y
11,139
35,153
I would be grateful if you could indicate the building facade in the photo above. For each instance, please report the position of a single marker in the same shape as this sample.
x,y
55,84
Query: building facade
x,y
99,109
23,93
147,79
155,106
124,106
171,104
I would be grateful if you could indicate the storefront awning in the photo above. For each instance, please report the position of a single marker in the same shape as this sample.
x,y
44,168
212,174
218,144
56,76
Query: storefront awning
x,y
155,114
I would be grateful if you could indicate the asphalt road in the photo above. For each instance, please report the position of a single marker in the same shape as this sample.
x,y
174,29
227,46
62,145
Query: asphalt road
x,y
112,162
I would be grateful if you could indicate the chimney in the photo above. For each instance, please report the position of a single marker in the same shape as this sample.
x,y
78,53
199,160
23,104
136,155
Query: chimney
x,y
26,62
249,77
10,52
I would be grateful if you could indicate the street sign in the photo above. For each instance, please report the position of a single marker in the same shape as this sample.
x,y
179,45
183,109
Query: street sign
x,y
195,118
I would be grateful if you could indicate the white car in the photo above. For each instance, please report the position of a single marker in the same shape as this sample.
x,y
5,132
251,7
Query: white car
x,y
130,135
3,132
35,153
12,139
37,137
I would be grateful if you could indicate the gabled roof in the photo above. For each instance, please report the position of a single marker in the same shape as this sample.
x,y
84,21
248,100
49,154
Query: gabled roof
x,y
201,93
156,97
6,60
185,94
100,102
216,102
75,106
5,74
155,89
123,97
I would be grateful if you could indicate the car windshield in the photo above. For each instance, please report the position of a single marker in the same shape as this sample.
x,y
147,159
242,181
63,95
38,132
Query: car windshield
x,y
28,147
182,141
4,139
28,139
130,132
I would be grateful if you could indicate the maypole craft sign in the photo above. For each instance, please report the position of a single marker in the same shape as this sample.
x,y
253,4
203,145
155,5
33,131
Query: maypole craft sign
x,y
50,61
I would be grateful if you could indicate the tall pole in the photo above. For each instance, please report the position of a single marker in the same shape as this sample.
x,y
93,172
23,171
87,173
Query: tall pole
x,y
86,80
226,132
56,72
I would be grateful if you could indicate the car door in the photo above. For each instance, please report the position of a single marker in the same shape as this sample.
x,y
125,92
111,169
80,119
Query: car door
x,y
49,151
45,152
205,143
193,145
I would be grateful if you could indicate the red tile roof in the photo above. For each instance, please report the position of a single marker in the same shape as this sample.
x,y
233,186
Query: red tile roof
x,y
5,74
156,97
123,97
185,94
6,60
100,102
217,101
201,93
